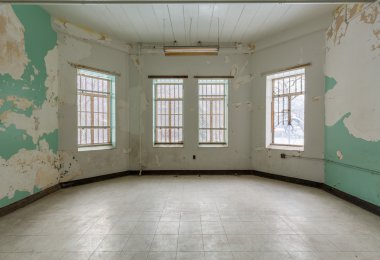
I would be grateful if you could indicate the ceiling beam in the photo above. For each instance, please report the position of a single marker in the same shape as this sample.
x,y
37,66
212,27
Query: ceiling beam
x,y
177,1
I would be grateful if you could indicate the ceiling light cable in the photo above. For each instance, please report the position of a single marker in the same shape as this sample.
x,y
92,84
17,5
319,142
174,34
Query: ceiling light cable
x,y
171,24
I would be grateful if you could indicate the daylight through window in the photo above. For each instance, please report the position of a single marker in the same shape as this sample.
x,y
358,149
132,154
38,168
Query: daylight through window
x,y
213,111
168,111
288,105
94,108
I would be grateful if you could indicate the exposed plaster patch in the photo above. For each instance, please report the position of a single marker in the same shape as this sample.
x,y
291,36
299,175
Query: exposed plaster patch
x,y
370,14
28,169
88,34
339,155
252,47
20,103
43,120
137,61
51,82
338,29
316,98
355,98
13,58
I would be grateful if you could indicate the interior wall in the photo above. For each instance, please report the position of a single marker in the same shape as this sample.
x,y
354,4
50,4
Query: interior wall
x,y
309,163
235,156
352,144
29,160
84,164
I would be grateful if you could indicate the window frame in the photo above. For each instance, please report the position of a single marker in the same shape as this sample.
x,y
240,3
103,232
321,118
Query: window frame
x,y
225,113
169,100
110,104
271,80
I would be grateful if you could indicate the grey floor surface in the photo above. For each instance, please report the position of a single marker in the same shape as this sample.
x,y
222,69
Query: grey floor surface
x,y
190,217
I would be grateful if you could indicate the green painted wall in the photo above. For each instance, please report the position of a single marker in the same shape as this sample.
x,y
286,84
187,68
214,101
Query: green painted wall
x,y
358,172
352,137
16,141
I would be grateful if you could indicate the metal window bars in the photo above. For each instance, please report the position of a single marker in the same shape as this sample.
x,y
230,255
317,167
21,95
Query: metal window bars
x,y
286,87
213,111
94,110
168,111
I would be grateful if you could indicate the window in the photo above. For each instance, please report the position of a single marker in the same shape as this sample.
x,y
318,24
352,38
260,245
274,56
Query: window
x,y
95,106
213,111
168,111
287,107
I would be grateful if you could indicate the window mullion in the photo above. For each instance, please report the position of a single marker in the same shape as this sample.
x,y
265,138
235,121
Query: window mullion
x,y
92,118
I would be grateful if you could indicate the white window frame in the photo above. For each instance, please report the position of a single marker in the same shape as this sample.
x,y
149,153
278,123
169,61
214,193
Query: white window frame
x,y
211,82
111,120
270,110
169,81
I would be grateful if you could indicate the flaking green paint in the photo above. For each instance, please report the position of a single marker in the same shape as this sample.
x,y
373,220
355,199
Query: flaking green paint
x,y
18,195
10,106
52,140
363,183
39,38
13,140
329,83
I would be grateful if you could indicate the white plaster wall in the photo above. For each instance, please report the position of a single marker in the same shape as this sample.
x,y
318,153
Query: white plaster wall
x,y
235,156
84,164
309,48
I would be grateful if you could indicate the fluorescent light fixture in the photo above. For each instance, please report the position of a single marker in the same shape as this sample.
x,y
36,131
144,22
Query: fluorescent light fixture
x,y
190,50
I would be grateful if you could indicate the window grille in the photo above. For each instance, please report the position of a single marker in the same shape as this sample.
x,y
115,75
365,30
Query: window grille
x,y
288,102
168,111
94,108
213,111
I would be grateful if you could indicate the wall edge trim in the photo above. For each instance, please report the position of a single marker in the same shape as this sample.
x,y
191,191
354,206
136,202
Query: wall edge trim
x,y
333,191
28,200
83,181
373,208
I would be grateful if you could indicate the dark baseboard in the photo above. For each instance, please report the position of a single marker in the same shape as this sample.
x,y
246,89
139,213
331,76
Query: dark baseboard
x,y
93,179
352,199
191,172
28,200
294,180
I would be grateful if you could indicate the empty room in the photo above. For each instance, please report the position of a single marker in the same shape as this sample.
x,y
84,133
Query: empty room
x,y
189,129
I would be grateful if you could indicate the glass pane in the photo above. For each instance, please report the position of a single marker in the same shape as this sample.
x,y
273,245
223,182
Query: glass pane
x,y
289,129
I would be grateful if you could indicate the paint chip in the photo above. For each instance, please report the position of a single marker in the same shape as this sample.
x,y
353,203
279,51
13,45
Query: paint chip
x,y
339,154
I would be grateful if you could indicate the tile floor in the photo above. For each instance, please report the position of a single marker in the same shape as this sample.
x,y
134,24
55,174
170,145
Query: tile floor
x,y
190,217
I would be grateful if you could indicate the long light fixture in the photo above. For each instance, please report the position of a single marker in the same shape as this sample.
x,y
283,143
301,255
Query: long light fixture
x,y
190,50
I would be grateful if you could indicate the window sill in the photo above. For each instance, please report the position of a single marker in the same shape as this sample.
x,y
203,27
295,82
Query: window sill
x,y
95,148
286,148
213,145
168,146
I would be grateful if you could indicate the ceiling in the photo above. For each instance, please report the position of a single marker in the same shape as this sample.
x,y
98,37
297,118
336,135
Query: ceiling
x,y
189,23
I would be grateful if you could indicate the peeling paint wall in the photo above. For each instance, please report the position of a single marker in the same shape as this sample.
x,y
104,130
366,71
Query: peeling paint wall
x,y
85,164
29,158
235,156
309,48
352,145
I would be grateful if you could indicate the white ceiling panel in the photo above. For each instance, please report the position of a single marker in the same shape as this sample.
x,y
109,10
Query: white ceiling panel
x,y
189,23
